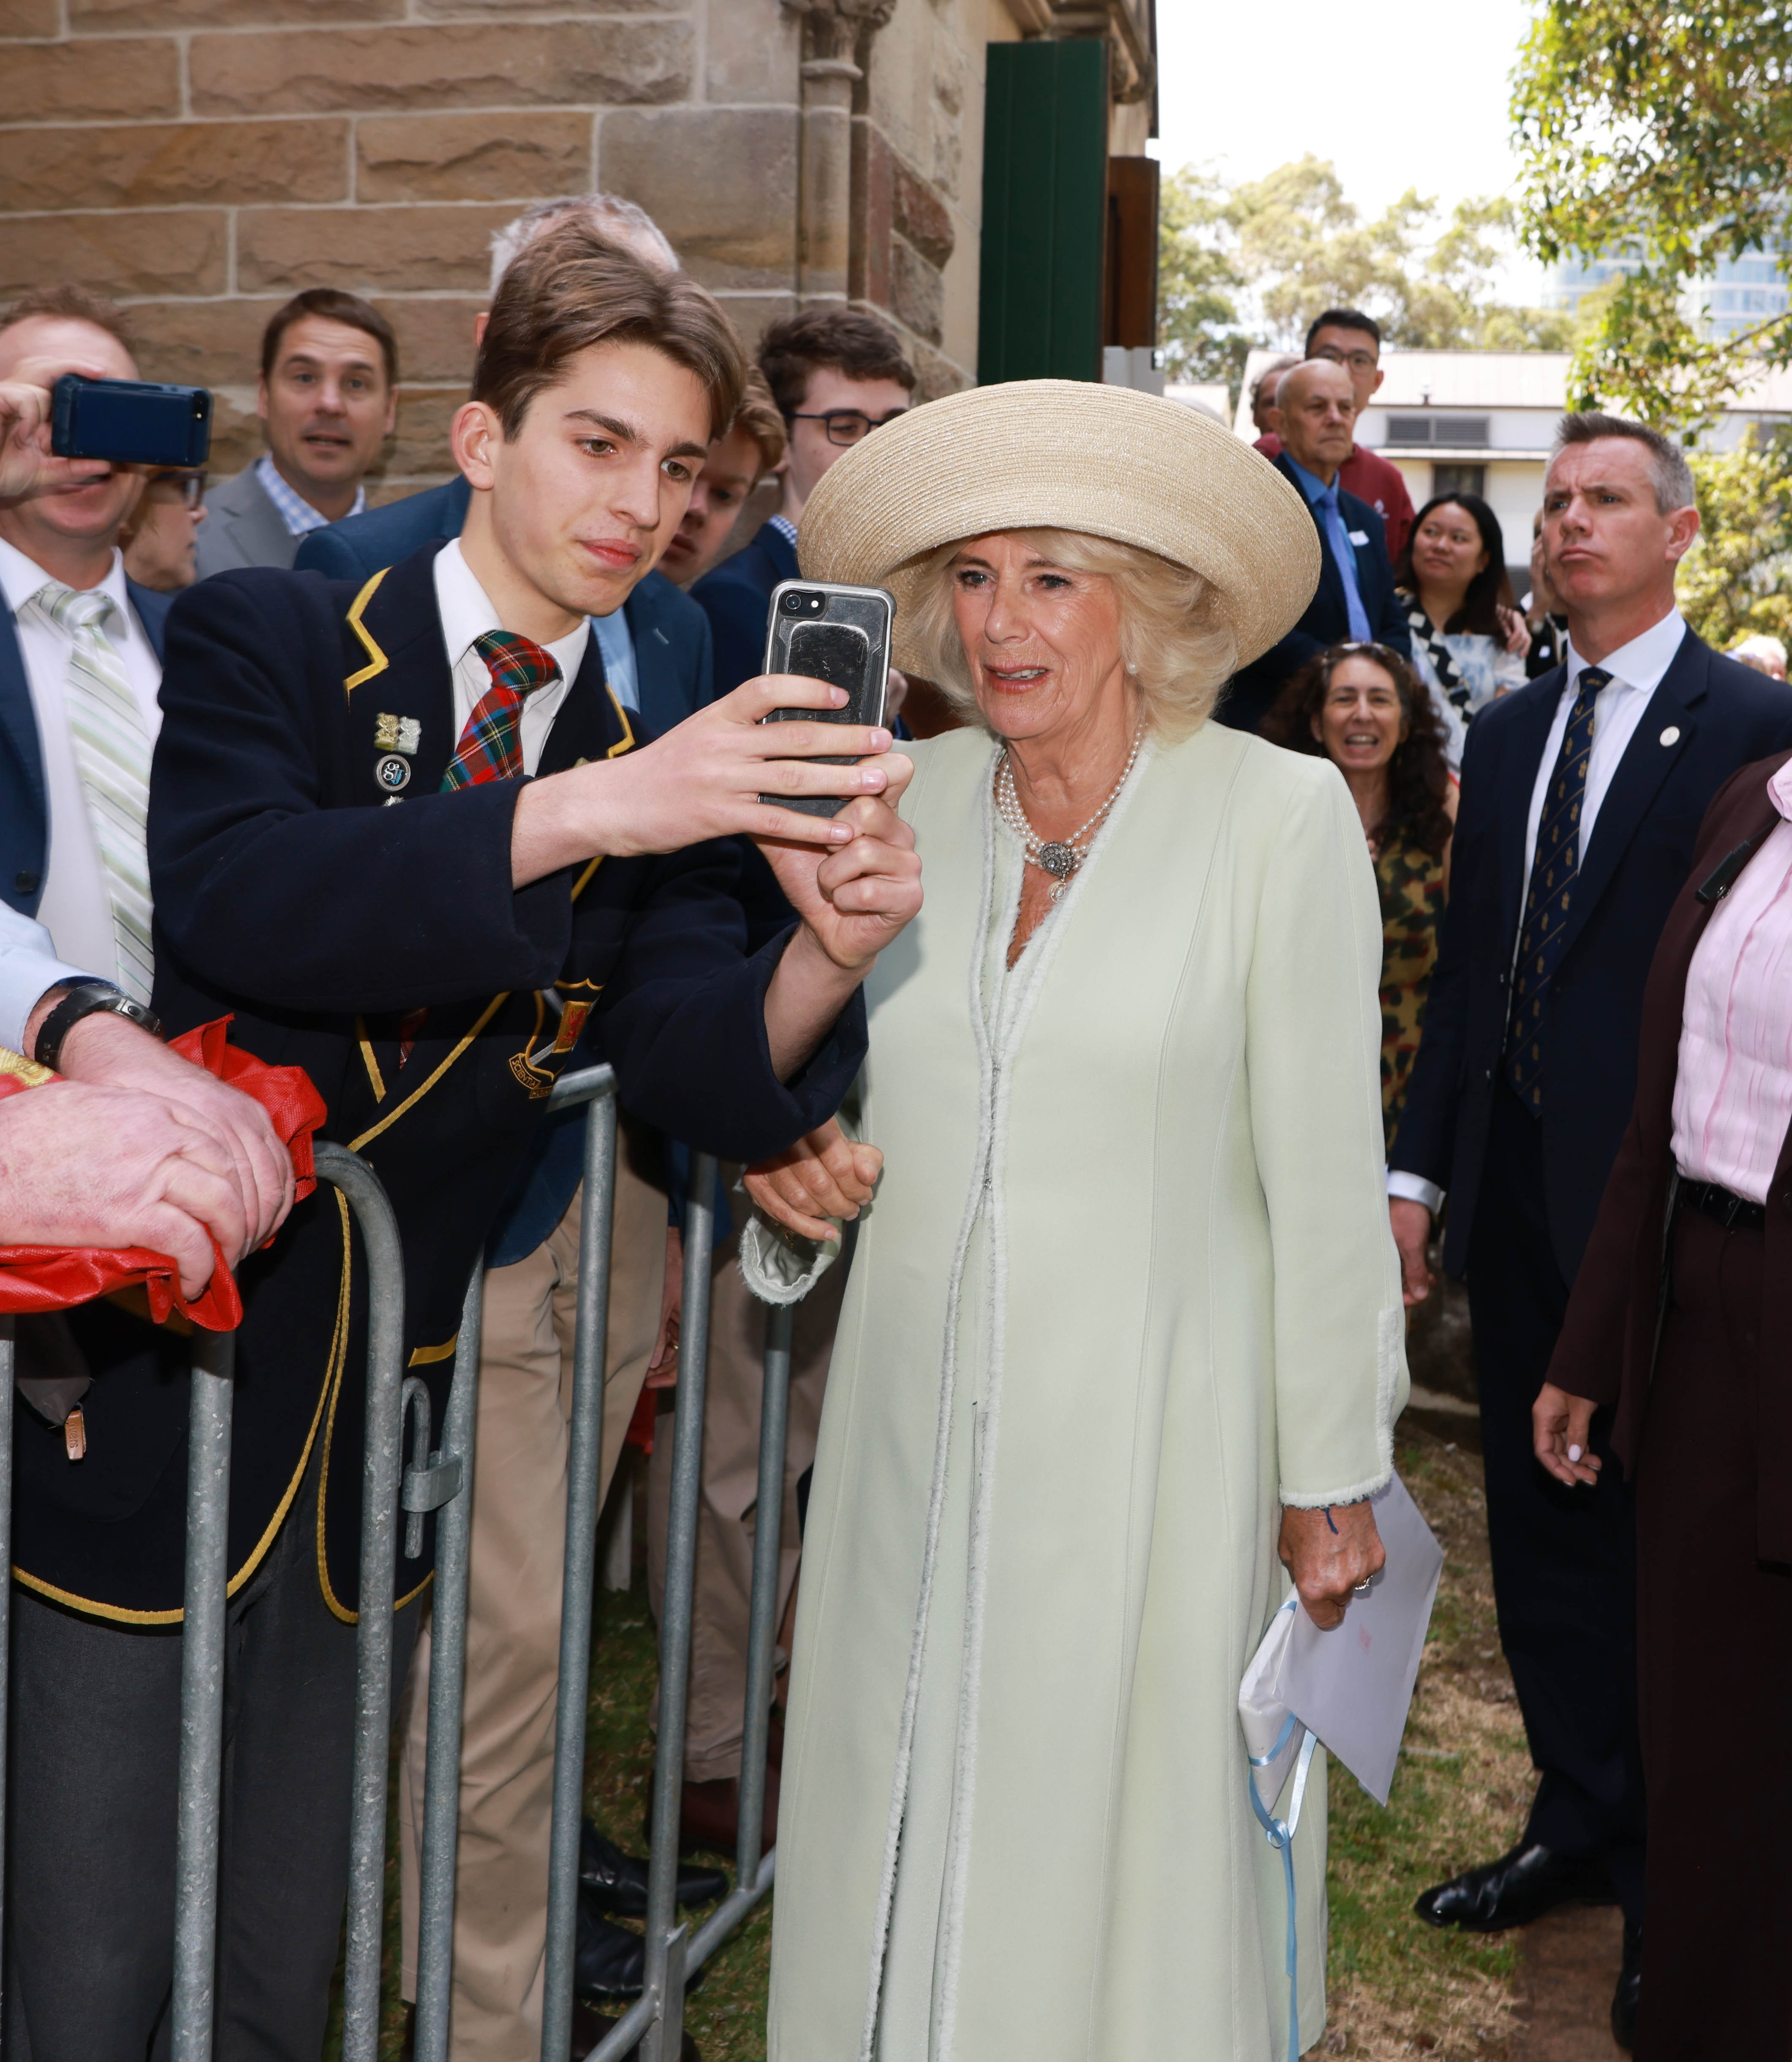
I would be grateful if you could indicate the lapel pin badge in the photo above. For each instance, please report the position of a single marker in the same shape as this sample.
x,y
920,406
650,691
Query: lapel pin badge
x,y
1671,734
393,772
397,733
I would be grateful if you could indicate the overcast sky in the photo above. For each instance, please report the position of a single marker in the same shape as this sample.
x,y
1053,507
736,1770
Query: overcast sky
x,y
1396,92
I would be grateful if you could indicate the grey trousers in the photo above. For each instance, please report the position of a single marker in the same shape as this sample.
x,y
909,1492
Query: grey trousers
x,y
96,1733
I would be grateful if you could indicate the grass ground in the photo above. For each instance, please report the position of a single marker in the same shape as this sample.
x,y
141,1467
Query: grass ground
x,y
1397,1989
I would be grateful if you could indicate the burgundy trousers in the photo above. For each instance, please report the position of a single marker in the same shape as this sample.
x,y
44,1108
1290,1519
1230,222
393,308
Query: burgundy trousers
x,y
1714,1679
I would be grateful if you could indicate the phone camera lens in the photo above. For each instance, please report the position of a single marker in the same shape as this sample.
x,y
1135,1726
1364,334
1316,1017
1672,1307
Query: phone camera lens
x,y
793,604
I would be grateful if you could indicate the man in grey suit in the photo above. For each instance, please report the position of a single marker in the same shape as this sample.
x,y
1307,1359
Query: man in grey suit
x,y
327,397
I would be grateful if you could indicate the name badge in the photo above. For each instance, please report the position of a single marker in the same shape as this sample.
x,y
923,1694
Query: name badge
x,y
1359,536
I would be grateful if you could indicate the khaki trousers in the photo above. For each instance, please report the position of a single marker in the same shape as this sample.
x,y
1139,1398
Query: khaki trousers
x,y
513,1615
722,1589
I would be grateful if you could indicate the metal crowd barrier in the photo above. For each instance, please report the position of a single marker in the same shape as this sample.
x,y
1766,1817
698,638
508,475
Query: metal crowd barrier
x,y
441,1480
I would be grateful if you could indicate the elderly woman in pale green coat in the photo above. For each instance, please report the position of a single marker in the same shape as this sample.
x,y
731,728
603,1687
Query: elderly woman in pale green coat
x,y
1124,1323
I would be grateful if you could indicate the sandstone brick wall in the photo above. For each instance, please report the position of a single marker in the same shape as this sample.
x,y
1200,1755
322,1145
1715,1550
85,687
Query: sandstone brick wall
x,y
201,159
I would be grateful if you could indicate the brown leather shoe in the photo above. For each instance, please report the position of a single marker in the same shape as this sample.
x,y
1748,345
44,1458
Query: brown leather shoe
x,y
709,1819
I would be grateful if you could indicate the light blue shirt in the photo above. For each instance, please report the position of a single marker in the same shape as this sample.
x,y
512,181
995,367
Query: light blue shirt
x,y
1344,555
29,967
618,648
293,509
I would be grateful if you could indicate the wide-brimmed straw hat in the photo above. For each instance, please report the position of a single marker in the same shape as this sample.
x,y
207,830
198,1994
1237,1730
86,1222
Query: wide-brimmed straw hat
x,y
1067,454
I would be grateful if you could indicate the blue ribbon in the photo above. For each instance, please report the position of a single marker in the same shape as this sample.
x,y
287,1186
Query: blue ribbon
x,y
1280,1833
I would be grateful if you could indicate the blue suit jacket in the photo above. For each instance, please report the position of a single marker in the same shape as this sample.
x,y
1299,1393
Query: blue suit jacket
x,y
671,633
24,806
673,672
1719,716
1253,690
734,597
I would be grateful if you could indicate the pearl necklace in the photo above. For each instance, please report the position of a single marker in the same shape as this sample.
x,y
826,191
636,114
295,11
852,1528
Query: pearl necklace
x,y
1060,857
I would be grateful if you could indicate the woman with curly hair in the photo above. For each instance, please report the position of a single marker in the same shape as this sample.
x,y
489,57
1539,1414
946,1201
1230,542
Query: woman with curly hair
x,y
1362,706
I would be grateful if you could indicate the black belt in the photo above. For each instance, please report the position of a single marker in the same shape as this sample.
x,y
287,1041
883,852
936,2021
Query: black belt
x,y
1734,1213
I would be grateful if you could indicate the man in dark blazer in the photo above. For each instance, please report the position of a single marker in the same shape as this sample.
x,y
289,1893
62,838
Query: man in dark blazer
x,y
1316,414
1581,801
398,869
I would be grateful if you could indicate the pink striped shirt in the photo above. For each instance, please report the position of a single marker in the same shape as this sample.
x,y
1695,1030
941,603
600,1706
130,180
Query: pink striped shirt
x,y
1733,1099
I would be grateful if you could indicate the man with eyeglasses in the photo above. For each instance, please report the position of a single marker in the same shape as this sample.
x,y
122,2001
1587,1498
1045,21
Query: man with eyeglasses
x,y
836,375
1350,338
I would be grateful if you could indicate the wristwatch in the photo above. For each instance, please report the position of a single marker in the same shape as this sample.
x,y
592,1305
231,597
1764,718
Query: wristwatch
x,y
84,998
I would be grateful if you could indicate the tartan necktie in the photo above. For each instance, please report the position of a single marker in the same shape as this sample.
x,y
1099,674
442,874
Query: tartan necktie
x,y
491,746
112,757
1552,881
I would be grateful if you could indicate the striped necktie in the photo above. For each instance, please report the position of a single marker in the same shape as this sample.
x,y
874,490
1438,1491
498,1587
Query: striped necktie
x,y
491,746
1552,883
112,756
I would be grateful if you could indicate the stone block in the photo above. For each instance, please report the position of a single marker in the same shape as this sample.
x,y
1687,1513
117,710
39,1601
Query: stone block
x,y
117,78
419,443
752,314
873,204
442,65
384,249
201,343
917,292
720,181
752,52
447,10
936,374
917,210
225,13
127,255
30,18
161,164
435,337
236,433
472,156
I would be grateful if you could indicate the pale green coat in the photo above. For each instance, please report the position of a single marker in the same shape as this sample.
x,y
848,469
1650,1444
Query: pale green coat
x,y
1196,1313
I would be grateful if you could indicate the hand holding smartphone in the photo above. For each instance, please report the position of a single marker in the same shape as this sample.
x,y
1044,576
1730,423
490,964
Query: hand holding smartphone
x,y
828,631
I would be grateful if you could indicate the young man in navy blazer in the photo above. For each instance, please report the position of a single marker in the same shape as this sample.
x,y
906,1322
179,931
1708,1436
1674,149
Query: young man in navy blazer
x,y
1316,414
1583,795
402,833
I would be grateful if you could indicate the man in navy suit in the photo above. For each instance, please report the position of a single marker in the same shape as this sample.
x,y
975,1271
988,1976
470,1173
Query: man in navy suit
x,y
1581,798
836,374
1316,414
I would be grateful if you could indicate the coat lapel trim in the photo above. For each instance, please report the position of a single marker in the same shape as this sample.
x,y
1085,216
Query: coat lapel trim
x,y
377,660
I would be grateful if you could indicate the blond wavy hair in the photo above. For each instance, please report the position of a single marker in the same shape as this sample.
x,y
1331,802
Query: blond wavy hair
x,y
1173,639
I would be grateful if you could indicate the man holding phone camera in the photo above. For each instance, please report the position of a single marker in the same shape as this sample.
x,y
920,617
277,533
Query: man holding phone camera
x,y
404,834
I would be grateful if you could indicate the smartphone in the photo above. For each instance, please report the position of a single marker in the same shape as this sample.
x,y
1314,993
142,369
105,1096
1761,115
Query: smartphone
x,y
130,422
834,633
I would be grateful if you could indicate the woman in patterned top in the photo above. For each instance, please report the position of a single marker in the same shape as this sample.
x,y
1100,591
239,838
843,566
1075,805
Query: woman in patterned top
x,y
1362,706
1469,640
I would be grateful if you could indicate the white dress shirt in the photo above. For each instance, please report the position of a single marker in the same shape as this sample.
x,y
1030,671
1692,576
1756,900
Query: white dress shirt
x,y
467,614
29,967
75,908
1637,671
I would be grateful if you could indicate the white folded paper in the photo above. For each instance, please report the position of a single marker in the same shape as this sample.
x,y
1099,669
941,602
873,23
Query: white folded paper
x,y
1351,1686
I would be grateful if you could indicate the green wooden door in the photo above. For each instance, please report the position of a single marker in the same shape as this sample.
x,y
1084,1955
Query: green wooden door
x,y
1044,209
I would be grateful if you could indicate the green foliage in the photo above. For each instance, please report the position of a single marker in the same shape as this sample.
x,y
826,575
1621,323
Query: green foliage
x,y
1738,578
1666,126
1253,265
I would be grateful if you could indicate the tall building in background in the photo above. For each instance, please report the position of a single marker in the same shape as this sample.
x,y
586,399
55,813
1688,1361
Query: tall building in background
x,y
1740,294
201,160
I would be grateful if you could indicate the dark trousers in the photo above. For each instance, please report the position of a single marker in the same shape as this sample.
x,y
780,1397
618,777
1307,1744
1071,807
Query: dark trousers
x,y
1715,1660
95,1735
1564,1560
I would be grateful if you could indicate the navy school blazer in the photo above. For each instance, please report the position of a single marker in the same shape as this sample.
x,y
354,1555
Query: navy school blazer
x,y
291,893
24,804
1253,691
1709,716
734,596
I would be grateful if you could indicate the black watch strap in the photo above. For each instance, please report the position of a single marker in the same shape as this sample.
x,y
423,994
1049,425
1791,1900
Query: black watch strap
x,y
84,999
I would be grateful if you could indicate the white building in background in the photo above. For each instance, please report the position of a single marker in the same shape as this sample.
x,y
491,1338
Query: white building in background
x,y
1481,422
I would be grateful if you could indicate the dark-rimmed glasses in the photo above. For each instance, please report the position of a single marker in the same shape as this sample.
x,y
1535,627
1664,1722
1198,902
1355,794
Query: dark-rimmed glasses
x,y
177,484
846,426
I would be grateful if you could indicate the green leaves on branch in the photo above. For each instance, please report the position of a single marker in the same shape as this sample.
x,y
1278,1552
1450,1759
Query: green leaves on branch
x,y
1661,127
1737,577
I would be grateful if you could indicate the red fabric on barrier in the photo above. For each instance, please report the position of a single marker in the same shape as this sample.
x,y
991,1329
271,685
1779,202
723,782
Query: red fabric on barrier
x,y
50,1277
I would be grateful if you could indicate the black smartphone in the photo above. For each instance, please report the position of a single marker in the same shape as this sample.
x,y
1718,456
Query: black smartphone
x,y
130,422
828,631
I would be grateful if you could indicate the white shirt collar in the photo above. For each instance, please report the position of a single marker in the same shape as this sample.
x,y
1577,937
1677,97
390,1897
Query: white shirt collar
x,y
467,614
1641,663
21,578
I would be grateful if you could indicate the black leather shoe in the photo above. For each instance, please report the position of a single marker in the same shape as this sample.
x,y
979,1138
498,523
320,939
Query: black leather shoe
x,y
612,1881
1513,1891
1629,1989
608,1962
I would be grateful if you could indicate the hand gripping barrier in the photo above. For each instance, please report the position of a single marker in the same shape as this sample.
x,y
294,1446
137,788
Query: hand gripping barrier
x,y
441,1481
